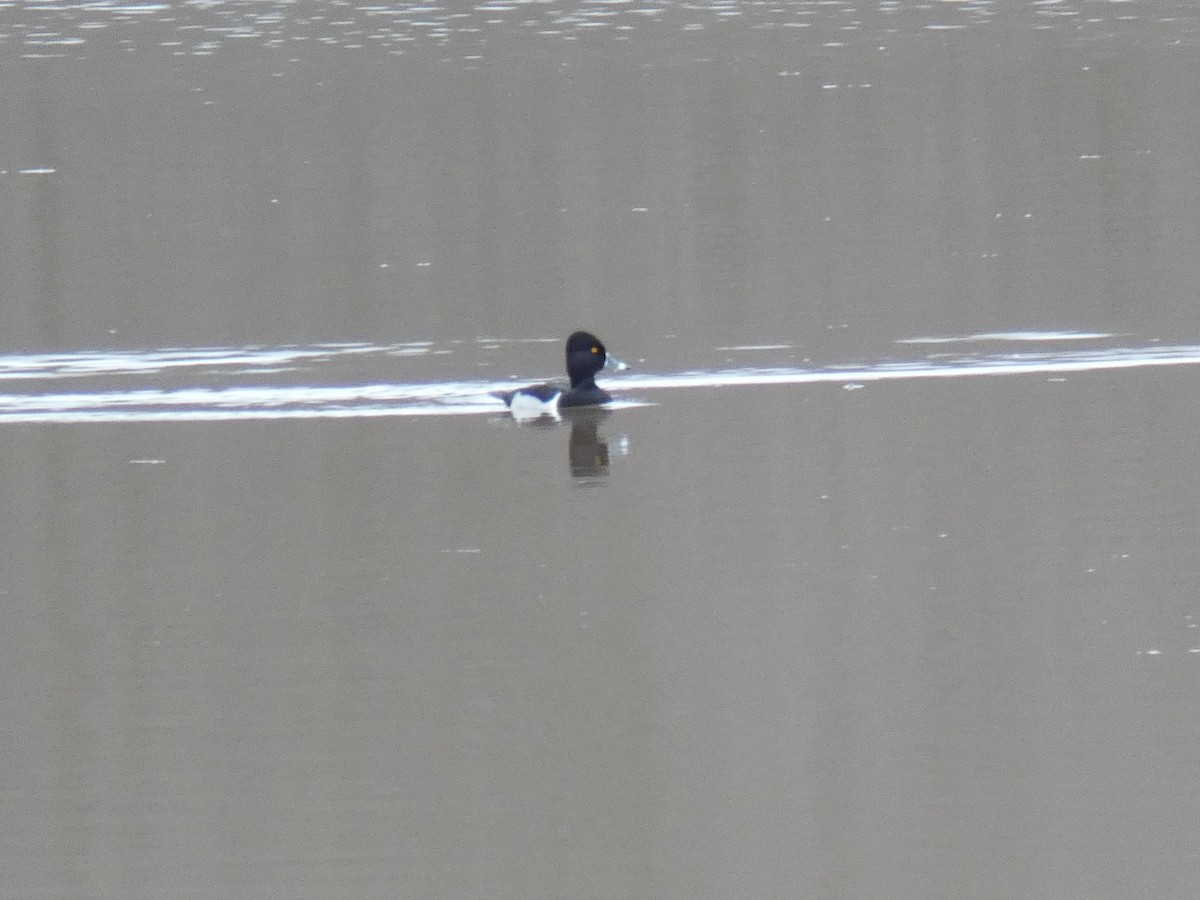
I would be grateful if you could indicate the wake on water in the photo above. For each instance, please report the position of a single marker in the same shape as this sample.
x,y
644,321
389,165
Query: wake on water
x,y
145,402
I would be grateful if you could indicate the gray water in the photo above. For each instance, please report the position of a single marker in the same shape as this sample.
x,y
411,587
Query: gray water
x,y
880,581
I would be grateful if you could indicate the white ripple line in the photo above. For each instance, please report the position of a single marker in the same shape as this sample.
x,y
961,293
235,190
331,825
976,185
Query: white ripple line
x,y
465,398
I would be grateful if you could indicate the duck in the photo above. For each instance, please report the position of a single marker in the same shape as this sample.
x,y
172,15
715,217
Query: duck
x,y
586,356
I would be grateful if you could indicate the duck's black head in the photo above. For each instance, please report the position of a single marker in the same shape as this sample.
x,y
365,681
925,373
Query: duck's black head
x,y
585,357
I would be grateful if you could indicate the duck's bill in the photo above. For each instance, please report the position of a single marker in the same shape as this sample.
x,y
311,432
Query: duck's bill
x,y
611,362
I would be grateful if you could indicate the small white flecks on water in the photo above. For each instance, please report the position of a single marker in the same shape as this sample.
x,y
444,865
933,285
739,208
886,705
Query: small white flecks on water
x,y
393,29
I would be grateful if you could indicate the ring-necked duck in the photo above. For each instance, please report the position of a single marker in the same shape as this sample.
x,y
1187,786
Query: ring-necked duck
x,y
585,357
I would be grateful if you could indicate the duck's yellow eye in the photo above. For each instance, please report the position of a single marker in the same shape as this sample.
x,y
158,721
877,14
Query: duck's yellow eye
x,y
595,349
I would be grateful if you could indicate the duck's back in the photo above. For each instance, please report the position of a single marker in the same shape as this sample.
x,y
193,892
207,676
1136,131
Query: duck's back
x,y
584,395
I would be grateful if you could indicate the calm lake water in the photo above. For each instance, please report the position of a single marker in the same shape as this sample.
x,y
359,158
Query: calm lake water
x,y
878,581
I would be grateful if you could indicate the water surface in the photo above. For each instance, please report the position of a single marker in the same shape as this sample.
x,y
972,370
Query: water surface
x,y
879,582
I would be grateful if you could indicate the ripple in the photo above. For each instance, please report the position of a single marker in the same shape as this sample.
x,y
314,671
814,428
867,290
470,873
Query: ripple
x,y
239,401
1015,336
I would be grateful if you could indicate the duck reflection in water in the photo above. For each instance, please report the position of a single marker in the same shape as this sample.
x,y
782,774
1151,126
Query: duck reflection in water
x,y
588,452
